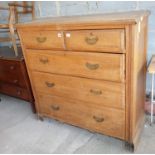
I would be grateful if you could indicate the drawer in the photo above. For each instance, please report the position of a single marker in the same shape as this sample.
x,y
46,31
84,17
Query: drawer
x,y
43,39
13,90
112,40
91,65
11,71
104,120
98,92
9,66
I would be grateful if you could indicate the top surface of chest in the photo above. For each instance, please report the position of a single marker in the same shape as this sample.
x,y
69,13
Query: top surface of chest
x,y
66,22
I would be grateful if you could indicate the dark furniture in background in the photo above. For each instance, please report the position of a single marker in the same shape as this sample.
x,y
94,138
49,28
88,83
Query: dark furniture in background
x,y
14,79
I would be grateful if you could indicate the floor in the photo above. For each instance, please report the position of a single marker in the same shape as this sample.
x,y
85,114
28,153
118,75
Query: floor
x,y
21,132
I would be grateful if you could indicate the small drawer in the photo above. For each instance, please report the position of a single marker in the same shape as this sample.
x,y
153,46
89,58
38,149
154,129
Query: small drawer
x,y
90,65
43,39
104,120
9,66
96,40
10,72
95,91
13,90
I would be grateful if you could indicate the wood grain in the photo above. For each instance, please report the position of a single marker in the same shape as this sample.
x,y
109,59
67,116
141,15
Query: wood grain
x,y
103,120
43,39
103,66
96,40
92,21
98,92
138,74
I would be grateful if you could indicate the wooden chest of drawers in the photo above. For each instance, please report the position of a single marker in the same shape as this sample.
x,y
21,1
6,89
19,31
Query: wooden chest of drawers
x,y
89,71
14,80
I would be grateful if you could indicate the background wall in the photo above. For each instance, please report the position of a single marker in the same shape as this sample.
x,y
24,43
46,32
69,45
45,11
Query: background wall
x,y
57,8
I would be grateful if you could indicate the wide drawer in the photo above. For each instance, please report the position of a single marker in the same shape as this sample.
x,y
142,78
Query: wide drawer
x,y
43,39
104,120
110,94
112,40
91,65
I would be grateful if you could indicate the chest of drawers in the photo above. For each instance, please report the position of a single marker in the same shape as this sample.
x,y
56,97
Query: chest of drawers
x,y
89,71
14,80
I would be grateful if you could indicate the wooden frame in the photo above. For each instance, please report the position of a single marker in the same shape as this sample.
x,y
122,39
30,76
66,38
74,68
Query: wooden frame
x,y
13,18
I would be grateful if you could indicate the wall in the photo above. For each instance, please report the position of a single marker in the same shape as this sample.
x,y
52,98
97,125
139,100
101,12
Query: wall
x,y
64,8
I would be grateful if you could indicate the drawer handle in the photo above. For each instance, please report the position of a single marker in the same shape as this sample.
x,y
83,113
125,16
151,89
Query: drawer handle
x,y
91,40
55,107
92,66
96,92
41,39
12,67
19,92
49,84
98,119
15,81
44,61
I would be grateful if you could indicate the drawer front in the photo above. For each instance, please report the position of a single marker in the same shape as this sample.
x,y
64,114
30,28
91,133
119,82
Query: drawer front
x,y
99,119
91,65
98,92
96,40
13,90
10,71
43,39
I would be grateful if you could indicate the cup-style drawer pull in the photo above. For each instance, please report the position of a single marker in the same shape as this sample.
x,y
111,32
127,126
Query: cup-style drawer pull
x,y
98,119
91,39
48,84
41,39
44,60
92,66
96,92
55,107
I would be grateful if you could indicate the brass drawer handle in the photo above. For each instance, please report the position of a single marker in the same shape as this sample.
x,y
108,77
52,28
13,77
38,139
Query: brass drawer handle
x,y
48,84
96,92
44,61
55,107
98,119
92,66
91,39
41,39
